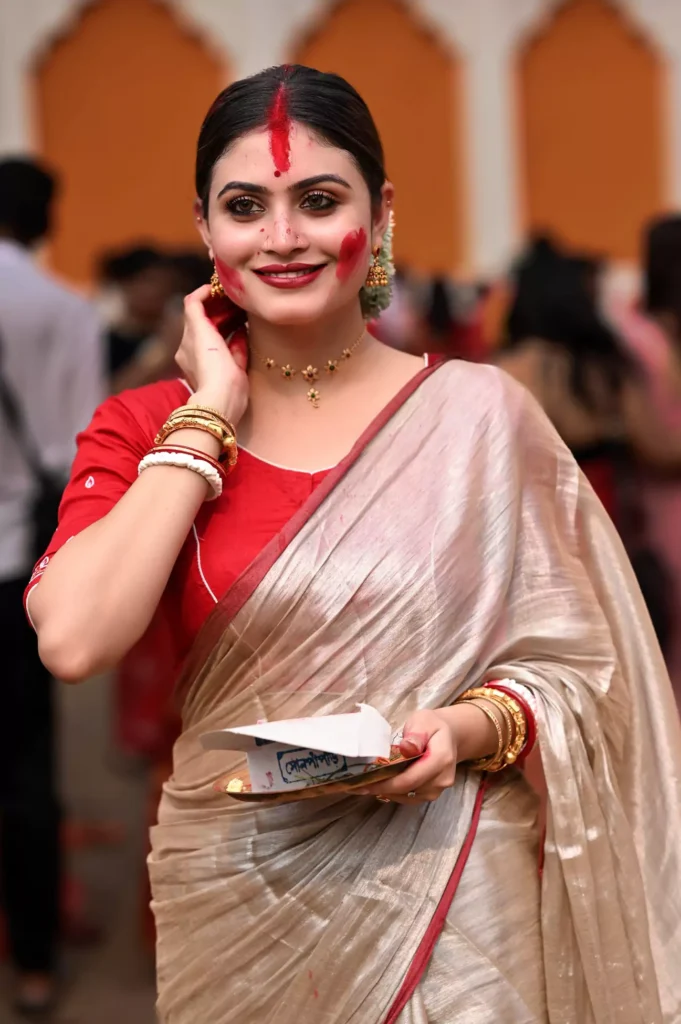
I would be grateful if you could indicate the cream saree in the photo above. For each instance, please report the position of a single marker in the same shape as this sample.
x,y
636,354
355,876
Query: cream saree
x,y
457,543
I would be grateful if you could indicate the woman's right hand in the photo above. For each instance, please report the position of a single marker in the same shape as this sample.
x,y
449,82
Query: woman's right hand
x,y
216,370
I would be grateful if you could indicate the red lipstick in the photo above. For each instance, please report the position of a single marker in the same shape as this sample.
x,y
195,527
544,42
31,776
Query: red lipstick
x,y
289,275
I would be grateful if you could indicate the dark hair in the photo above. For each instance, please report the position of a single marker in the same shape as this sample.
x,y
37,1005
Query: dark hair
x,y
125,264
439,313
26,193
326,103
554,301
191,269
662,268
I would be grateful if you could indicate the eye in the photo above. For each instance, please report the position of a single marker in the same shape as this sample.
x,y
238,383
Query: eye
x,y
244,206
320,202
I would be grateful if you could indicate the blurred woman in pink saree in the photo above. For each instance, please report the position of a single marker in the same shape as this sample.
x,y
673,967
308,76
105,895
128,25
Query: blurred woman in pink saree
x,y
453,543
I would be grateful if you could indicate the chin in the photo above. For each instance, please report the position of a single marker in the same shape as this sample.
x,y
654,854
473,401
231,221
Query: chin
x,y
292,310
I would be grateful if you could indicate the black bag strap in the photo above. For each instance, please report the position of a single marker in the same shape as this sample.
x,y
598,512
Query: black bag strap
x,y
11,409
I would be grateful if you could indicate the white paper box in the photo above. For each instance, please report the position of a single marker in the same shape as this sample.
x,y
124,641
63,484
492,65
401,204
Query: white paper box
x,y
299,752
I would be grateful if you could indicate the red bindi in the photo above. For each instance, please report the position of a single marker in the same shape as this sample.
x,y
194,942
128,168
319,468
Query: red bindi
x,y
229,278
279,127
352,250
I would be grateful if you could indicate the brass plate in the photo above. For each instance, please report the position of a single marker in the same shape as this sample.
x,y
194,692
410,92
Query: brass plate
x,y
368,778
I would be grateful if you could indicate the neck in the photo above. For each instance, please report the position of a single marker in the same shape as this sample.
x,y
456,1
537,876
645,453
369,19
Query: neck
x,y
303,344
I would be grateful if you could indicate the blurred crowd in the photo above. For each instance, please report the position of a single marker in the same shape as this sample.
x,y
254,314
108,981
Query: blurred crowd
x,y
603,359
604,362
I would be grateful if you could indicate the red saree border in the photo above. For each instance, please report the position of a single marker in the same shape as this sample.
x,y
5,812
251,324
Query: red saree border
x,y
244,586
421,959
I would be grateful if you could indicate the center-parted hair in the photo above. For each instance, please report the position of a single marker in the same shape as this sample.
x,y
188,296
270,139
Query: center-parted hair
x,y
325,103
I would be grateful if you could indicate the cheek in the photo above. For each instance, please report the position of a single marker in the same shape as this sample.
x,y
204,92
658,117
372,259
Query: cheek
x,y
352,253
230,279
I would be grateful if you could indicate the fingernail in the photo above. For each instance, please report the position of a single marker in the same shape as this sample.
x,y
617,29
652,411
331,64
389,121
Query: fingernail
x,y
417,741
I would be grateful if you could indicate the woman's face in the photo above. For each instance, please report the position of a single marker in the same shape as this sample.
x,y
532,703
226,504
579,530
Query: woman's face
x,y
294,245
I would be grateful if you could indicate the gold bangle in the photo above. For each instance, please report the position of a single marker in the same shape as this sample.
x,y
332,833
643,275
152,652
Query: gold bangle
x,y
192,424
203,416
231,450
229,433
205,411
506,715
197,410
228,442
518,716
519,732
215,412
491,762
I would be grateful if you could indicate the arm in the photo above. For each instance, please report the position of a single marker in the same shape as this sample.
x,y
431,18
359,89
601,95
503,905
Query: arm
x,y
656,445
100,591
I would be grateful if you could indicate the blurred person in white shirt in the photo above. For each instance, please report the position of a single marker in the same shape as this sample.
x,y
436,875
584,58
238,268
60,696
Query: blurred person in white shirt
x,y
51,372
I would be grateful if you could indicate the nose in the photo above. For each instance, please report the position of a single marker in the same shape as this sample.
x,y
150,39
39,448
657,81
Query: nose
x,y
285,239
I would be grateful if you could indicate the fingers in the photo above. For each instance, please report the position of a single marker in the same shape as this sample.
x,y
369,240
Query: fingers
x,y
434,772
198,296
194,309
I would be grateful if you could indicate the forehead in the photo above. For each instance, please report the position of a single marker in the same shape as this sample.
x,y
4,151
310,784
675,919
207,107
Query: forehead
x,y
250,159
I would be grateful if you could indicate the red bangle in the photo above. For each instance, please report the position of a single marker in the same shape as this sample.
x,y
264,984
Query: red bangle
x,y
196,452
530,720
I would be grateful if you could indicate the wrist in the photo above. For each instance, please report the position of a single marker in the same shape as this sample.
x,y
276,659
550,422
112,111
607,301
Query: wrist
x,y
189,437
217,400
473,735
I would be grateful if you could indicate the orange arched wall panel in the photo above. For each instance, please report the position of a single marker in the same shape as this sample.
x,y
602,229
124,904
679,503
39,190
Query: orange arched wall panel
x,y
591,114
120,100
413,88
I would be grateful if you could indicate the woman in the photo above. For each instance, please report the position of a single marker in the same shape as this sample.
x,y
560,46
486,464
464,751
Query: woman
x,y
556,344
451,331
652,333
137,349
431,535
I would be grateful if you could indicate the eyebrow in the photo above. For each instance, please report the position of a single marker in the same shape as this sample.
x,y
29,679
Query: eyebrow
x,y
298,186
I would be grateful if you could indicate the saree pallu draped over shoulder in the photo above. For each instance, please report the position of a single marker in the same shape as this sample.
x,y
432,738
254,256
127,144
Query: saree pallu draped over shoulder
x,y
458,543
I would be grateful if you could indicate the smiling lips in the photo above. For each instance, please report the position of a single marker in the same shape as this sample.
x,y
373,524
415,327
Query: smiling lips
x,y
289,275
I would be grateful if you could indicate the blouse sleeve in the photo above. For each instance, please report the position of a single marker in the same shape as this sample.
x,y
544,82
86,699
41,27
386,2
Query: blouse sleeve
x,y
109,452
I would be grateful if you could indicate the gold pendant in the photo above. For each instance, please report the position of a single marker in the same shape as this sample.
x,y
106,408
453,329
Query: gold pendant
x,y
313,397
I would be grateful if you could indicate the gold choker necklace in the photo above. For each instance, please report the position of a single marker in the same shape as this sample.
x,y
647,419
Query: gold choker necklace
x,y
310,374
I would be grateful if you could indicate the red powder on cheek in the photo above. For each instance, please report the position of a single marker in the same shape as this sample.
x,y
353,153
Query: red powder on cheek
x,y
279,127
353,248
229,278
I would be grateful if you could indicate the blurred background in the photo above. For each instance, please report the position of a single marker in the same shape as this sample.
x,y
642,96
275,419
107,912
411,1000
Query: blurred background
x,y
535,146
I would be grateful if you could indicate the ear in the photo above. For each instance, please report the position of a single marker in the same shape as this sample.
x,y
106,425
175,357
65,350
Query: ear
x,y
202,225
382,214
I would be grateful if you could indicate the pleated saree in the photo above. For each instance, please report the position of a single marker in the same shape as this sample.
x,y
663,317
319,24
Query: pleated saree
x,y
457,543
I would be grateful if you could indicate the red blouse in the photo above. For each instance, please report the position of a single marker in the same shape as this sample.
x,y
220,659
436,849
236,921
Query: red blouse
x,y
257,501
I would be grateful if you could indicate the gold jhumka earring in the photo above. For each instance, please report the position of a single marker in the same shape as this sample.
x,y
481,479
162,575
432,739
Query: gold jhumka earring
x,y
216,289
378,275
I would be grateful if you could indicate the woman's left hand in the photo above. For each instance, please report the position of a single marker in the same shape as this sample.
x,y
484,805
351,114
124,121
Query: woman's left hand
x,y
429,734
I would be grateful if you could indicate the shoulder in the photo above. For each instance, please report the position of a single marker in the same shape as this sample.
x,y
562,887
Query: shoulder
x,y
480,386
145,408
60,296
483,400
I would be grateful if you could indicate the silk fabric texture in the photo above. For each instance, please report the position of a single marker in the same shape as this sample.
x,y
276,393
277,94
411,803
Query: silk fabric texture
x,y
459,543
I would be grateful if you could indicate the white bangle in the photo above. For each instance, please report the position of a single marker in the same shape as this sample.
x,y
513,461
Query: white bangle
x,y
184,461
524,692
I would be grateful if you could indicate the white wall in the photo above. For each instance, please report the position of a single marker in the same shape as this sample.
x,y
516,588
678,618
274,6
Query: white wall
x,y
258,33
